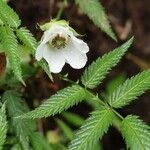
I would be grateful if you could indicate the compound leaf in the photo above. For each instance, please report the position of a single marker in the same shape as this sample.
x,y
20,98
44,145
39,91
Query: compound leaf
x,y
57,103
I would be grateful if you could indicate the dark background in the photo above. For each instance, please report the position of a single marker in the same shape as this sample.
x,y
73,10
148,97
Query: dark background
x,y
127,17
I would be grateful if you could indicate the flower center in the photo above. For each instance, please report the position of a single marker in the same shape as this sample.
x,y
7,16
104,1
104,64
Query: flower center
x,y
59,41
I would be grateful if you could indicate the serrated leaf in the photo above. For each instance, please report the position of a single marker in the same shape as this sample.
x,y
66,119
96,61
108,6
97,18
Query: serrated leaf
x,y
130,90
3,126
136,133
97,71
9,42
95,11
59,102
28,40
16,106
8,15
92,130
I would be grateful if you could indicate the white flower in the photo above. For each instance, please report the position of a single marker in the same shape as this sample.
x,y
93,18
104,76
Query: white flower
x,y
60,46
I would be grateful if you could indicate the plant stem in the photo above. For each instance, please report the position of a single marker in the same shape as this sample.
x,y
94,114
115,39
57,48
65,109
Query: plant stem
x,y
64,77
117,114
63,5
117,122
90,96
95,101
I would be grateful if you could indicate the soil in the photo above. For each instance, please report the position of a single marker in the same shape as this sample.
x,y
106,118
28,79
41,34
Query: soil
x,y
128,18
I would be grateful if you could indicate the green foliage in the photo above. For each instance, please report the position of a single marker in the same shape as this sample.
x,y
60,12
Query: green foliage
x,y
96,13
27,38
59,102
92,130
39,142
130,90
3,126
9,43
136,133
97,71
8,16
16,106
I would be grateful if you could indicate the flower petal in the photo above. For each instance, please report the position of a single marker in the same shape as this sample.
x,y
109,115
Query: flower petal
x,y
55,30
54,58
79,44
74,57
39,52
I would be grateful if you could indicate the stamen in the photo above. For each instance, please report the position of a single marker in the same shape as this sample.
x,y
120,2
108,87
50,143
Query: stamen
x,y
59,41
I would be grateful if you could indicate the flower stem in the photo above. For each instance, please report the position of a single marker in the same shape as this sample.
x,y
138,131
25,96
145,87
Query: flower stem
x,y
63,5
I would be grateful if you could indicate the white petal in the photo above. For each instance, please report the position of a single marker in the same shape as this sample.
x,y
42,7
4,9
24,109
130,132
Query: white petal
x,y
54,58
74,57
79,44
55,30
39,52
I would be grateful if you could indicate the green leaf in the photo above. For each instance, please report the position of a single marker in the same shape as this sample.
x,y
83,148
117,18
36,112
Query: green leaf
x,y
59,102
9,43
16,106
27,38
130,90
67,131
29,41
136,133
3,126
92,130
97,71
73,118
95,11
8,16
39,142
